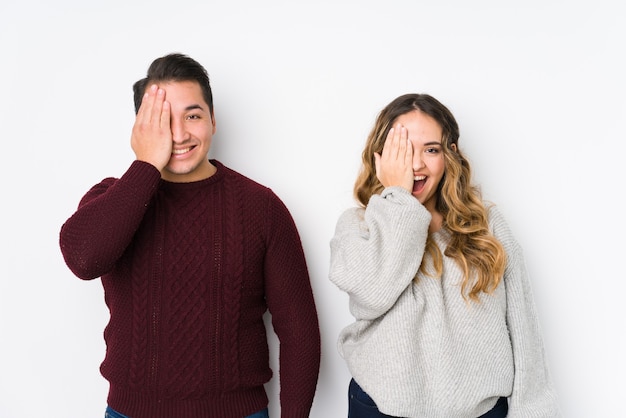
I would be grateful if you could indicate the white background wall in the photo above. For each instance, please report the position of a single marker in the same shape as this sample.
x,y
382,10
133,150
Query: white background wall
x,y
537,87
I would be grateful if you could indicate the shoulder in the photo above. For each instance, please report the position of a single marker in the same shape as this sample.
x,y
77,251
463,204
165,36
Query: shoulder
x,y
351,216
253,193
251,188
106,183
231,175
352,221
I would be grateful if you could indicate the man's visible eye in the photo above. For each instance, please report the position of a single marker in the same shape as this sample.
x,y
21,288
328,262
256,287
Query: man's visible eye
x,y
193,117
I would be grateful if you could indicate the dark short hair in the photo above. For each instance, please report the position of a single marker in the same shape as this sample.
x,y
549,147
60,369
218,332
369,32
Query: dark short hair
x,y
174,67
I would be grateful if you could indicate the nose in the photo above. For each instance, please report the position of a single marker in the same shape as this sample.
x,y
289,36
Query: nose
x,y
418,161
179,133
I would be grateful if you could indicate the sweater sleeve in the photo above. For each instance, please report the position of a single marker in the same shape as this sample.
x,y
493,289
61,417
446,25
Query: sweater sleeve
x,y
376,252
294,316
533,394
108,216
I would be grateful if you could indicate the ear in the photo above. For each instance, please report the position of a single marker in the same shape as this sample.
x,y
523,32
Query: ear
x,y
453,147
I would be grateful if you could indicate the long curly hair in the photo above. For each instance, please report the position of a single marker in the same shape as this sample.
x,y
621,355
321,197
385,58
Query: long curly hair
x,y
474,248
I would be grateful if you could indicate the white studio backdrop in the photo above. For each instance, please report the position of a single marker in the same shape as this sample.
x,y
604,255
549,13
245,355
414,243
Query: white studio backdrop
x,y
537,88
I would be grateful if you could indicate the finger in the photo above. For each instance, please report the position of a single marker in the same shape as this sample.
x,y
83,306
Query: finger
x,y
145,110
402,144
157,106
398,146
408,145
388,146
408,158
166,115
142,114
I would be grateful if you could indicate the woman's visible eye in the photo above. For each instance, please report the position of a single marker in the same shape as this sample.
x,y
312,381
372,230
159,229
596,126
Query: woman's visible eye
x,y
432,150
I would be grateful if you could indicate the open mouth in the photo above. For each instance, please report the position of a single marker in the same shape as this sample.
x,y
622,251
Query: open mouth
x,y
418,183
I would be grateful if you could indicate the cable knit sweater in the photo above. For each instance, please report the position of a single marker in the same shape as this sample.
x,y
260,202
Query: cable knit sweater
x,y
188,271
417,347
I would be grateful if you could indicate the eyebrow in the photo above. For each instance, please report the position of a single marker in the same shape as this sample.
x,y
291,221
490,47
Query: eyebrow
x,y
193,107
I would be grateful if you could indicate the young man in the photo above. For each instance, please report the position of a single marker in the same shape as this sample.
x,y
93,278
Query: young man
x,y
191,254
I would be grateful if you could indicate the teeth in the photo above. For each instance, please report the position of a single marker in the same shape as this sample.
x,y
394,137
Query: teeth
x,y
418,178
181,151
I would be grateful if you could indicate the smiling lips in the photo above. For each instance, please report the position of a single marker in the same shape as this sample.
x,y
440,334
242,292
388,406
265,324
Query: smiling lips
x,y
181,151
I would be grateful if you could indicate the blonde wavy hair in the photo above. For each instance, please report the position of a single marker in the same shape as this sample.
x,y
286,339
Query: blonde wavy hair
x,y
474,248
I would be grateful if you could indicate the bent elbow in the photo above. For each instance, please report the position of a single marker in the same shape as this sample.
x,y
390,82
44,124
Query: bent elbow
x,y
370,310
81,264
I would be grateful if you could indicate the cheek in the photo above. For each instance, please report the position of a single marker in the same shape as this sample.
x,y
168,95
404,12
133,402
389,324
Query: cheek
x,y
437,166
204,132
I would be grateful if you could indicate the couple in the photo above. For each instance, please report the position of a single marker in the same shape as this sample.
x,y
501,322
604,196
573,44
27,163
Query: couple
x,y
191,254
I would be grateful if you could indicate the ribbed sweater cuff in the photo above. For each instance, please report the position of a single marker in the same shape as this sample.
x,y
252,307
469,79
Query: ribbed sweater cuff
x,y
146,405
142,171
294,413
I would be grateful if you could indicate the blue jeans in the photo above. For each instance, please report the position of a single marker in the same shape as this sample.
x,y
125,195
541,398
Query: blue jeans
x,y
361,405
261,414
111,413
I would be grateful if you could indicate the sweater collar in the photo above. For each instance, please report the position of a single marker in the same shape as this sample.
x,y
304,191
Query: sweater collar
x,y
214,179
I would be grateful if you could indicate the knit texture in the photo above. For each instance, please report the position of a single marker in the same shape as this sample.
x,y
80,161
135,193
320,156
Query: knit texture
x,y
417,347
188,270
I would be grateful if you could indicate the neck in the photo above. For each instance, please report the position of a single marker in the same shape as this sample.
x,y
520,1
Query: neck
x,y
436,222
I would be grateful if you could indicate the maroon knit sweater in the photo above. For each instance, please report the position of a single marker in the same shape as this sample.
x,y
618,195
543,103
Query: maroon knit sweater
x,y
188,271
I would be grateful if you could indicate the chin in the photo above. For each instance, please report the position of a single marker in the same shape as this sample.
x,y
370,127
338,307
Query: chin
x,y
180,169
423,198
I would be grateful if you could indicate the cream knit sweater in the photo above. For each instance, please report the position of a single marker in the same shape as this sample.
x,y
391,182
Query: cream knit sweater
x,y
418,348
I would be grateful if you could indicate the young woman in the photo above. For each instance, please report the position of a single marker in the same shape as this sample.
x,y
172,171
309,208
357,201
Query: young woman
x,y
445,324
